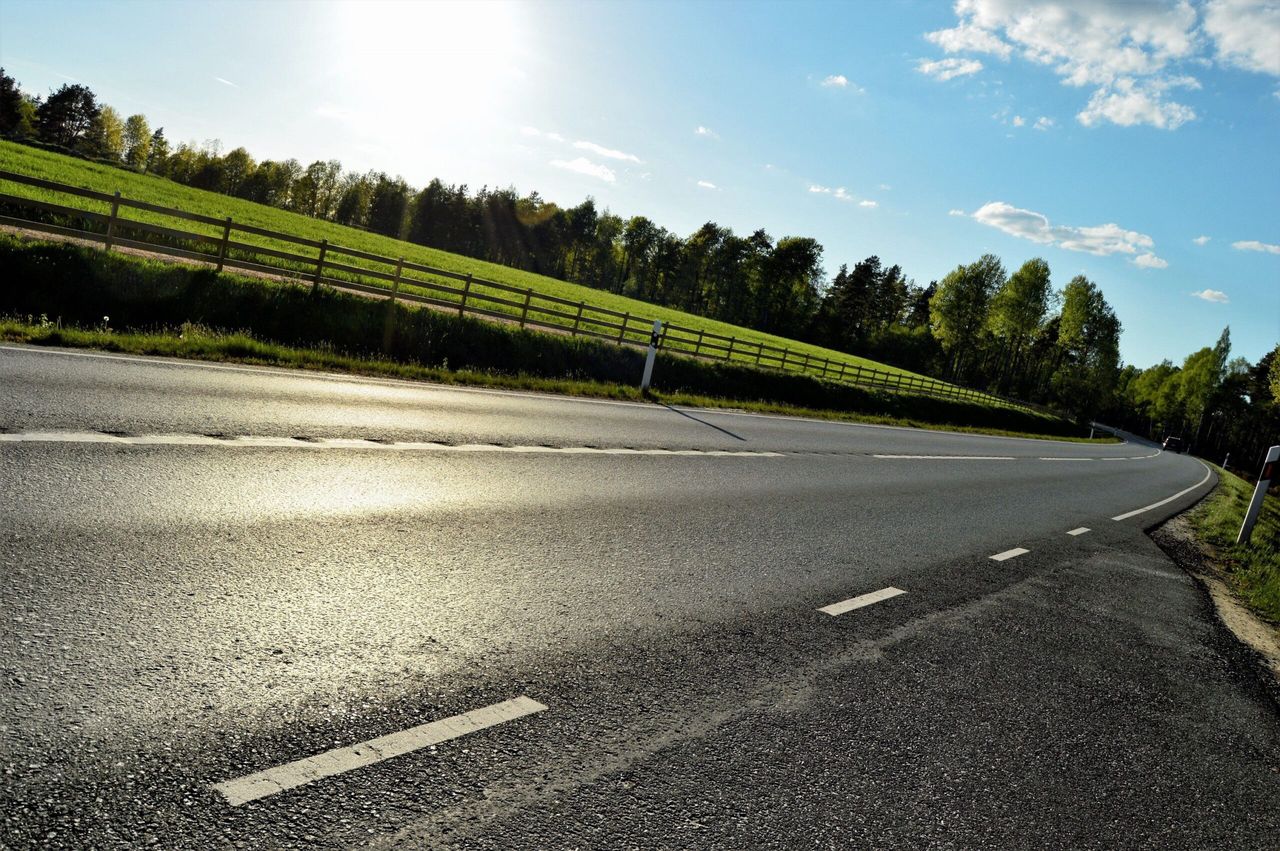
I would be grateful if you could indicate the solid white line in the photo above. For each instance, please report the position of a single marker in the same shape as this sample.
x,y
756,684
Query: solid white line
x,y
1008,554
259,442
299,772
1068,459
949,457
1079,531
1128,514
863,600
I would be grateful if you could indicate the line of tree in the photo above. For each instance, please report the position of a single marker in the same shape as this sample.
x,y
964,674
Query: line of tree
x,y
1009,333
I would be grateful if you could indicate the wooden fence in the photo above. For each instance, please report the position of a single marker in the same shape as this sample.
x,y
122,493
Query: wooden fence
x,y
223,244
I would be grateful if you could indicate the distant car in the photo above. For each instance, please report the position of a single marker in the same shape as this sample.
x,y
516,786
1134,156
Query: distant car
x,y
1174,444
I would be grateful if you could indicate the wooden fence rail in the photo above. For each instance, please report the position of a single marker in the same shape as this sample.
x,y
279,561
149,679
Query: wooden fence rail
x,y
325,263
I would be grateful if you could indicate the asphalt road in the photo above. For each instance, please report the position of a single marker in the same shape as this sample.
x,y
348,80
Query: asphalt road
x,y
346,560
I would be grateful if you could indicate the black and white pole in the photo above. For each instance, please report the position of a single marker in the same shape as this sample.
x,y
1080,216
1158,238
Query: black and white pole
x,y
651,355
1255,505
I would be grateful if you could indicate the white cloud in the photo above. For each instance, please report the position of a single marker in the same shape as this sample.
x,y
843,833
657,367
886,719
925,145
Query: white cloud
x,y
609,153
1126,52
1216,296
705,131
835,81
1201,240
707,184
839,193
967,37
946,69
956,213
226,82
1254,245
1150,261
1246,33
538,134
1101,240
1127,103
582,165
1044,122
884,187
1018,121
870,205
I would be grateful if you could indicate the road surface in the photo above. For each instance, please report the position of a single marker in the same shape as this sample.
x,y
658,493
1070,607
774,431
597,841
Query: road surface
x,y
253,608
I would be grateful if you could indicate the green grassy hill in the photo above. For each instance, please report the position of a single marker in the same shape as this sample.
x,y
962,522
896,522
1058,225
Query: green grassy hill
x,y
60,168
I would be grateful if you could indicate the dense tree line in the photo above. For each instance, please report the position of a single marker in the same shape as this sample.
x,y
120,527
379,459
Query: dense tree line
x,y
1009,333
1222,406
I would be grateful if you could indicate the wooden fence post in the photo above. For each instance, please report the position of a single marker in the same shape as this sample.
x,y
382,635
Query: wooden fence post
x,y
759,352
524,312
577,320
843,364
395,285
466,291
111,222
697,347
782,364
226,239
622,329
324,249
729,354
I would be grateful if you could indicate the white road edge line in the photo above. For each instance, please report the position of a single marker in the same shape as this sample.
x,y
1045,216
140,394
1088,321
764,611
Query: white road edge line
x,y
1068,459
863,600
435,386
254,441
1079,531
272,781
1207,473
1008,554
949,457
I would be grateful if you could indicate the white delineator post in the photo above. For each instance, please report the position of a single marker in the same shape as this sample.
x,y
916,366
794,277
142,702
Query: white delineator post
x,y
651,355
1255,505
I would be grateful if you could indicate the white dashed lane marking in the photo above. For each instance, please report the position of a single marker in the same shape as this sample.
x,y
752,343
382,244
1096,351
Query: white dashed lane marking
x,y
863,600
1008,554
273,781
1079,531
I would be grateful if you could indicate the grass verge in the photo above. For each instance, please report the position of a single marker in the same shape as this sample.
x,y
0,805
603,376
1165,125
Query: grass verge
x,y
1253,570
256,320
198,343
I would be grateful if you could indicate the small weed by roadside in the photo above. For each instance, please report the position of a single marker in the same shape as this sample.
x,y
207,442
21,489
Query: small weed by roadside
x,y
1252,570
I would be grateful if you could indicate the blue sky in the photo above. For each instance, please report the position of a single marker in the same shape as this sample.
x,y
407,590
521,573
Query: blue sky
x,y
1106,138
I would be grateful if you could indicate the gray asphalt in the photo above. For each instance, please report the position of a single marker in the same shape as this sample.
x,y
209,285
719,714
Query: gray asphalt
x,y
176,616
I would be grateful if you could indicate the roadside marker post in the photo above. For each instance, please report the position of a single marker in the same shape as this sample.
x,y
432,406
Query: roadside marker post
x,y
1255,505
649,357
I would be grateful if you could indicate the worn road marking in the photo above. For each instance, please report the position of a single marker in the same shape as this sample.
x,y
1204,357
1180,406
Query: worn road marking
x,y
299,772
1068,459
1166,500
1079,531
252,441
949,457
1008,554
863,600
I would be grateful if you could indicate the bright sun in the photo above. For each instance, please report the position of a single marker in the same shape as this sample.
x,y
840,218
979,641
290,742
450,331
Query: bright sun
x,y
427,63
